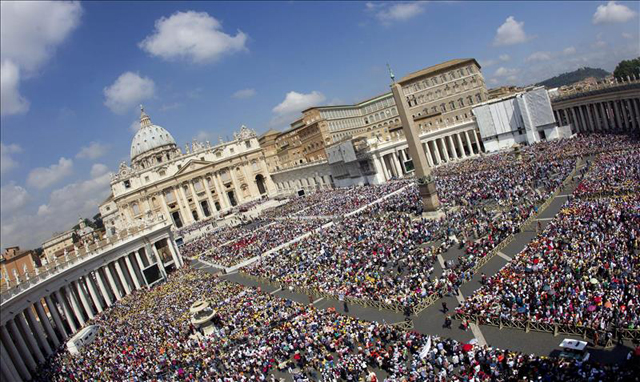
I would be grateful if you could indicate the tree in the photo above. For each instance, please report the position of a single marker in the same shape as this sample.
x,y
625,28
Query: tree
x,y
627,68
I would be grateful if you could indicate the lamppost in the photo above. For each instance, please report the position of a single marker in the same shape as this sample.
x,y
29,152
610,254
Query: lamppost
x,y
426,183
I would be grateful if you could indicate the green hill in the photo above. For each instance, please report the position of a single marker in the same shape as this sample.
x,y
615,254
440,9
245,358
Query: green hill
x,y
575,76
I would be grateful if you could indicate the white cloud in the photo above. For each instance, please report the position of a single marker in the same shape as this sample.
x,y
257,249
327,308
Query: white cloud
x,y
7,162
505,72
170,106
569,50
628,36
539,56
244,93
488,63
98,169
43,177
511,33
194,36
12,198
12,102
388,13
128,91
613,13
295,102
30,229
202,136
134,126
30,32
93,151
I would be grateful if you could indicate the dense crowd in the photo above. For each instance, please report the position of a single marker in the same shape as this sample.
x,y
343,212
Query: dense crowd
x,y
376,255
258,337
218,237
583,269
335,202
258,241
616,173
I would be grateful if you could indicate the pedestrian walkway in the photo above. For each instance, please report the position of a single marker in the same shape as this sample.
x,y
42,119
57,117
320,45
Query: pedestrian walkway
x,y
431,320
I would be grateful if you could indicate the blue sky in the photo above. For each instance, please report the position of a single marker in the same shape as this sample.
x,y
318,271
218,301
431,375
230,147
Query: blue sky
x,y
74,73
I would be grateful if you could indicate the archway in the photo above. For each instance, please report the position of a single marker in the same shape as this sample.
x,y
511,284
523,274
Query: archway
x,y
260,182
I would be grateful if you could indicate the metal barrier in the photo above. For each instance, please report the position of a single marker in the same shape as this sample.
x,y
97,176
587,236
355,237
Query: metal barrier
x,y
553,328
429,300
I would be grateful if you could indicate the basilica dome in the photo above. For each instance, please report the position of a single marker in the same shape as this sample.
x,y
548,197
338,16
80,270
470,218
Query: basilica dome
x,y
149,138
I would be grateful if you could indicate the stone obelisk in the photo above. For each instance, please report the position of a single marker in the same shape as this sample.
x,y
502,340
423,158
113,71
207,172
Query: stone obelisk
x,y
426,183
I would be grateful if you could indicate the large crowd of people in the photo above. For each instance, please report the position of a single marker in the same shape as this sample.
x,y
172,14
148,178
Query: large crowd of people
x,y
583,269
335,202
148,336
259,241
375,255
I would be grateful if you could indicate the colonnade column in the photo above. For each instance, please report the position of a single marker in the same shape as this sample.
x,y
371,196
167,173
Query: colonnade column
x,y
123,279
22,346
174,254
38,333
165,206
132,272
436,151
397,165
454,151
575,119
189,218
427,151
196,201
469,144
583,121
635,102
53,310
445,150
139,260
590,118
46,323
616,113
83,298
223,194
605,116
93,291
67,311
212,204
103,288
74,305
18,360
8,366
30,337
112,282
159,261
459,139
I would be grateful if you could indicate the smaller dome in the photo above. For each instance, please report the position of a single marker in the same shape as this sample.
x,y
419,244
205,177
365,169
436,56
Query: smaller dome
x,y
149,137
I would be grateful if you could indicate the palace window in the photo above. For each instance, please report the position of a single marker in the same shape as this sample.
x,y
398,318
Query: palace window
x,y
248,144
135,208
127,183
169,196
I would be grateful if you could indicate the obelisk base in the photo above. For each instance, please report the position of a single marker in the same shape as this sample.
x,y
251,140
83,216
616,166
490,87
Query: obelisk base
x,y
429,197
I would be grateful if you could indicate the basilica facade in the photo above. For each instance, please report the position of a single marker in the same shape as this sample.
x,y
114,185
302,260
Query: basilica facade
x,y
202,182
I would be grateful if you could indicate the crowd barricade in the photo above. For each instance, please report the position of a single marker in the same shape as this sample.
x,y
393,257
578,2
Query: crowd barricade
x,y
556,329
403,325
432,298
